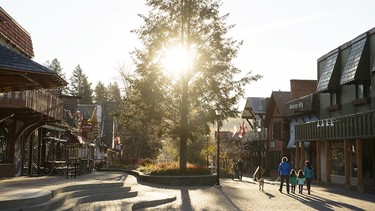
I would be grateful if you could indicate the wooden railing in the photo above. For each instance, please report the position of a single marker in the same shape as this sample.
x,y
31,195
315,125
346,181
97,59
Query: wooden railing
x,y
344,127
38,100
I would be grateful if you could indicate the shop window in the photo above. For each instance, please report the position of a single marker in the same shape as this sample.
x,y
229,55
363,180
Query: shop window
x,y
353,155
337,158
3,146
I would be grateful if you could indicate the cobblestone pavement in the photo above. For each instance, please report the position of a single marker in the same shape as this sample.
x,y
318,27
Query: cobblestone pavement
x,y
232,195
242,195
245,195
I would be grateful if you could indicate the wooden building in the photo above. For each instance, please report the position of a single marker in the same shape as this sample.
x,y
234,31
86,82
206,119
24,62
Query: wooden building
x,y
28,102
344,134
277,124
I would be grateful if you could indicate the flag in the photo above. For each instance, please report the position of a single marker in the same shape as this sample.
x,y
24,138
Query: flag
x,y
242,129
234,131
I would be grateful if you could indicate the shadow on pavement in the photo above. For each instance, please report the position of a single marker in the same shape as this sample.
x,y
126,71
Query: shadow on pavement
x,y
320,203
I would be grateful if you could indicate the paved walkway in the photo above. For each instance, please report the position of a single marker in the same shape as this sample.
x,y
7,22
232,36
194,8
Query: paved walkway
x,y
232,195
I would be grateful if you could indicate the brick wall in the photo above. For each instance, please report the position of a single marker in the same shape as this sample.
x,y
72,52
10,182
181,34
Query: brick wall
x,y
300,88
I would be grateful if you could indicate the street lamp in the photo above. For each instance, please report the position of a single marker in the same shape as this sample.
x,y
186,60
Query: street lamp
x,y
218,111
208,137
259,155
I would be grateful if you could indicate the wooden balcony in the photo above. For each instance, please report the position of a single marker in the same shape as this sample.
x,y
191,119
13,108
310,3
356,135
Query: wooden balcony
x,y
37,102
361,125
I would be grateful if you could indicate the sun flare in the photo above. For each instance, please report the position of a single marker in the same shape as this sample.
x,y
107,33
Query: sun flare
x,y
176,61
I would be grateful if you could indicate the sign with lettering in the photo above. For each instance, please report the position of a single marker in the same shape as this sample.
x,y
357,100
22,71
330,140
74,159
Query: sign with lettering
x,y
86,127
296,106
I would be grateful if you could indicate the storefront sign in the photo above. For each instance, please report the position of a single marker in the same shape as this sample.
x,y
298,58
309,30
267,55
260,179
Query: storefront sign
x,y
296,106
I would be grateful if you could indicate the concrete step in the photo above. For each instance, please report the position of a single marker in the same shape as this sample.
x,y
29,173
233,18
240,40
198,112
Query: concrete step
x,y
18,197
58,196
74,203
72,187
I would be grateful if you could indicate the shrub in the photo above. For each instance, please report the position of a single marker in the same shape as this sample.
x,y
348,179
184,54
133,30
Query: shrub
x,y
169,168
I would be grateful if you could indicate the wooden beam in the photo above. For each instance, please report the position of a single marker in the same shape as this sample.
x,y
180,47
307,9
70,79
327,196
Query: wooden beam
x,y
359,165
297,157
346,164
328,162
303,158
318,162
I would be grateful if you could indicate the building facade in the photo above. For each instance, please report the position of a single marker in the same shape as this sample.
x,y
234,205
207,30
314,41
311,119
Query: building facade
x,y
344,134
29,108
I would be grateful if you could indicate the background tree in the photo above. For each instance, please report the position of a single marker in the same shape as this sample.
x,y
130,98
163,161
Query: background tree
x,y
79,86
101,93
114,93
182,105
56,66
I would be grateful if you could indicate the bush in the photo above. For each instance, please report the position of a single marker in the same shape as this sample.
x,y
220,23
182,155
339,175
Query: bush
x,y
168,168
180,172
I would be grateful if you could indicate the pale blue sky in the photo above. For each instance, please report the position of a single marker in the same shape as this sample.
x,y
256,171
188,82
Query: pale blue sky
x,y
282,38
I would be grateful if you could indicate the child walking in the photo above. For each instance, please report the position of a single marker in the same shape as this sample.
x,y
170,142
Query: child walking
x,y
300,180
293,180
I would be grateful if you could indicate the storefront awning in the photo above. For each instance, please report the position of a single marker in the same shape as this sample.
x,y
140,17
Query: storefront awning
x,y
352,70
329,77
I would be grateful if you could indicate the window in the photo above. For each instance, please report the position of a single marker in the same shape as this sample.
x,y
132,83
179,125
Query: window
x,y
362,91
337,158
276,130
334,98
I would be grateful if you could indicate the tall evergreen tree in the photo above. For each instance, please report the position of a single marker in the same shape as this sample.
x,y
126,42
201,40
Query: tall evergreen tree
x,y
183,106
101,93
56,66
79,86
114,93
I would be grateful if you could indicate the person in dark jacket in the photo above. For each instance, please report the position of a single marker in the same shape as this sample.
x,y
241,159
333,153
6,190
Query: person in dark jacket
x,y
239,167
309,175
284,171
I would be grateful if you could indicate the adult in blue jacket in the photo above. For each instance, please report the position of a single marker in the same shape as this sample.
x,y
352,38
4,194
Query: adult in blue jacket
x,y
284,171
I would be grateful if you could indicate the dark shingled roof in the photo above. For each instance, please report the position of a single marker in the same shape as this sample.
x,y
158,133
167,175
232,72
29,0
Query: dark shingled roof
x,y
257,105
281,98
18,72
278,99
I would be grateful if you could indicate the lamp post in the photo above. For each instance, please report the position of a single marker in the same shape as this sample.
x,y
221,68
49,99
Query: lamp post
x,y
208,137
259,153
218,111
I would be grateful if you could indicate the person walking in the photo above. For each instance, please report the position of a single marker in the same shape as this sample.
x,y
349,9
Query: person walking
x,y
239,166
293,180
284,171
309,175
300,181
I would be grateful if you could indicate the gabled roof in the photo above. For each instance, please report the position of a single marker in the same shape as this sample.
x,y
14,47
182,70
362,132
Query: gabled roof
x,y
278,99
254,106
86,110
18,72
